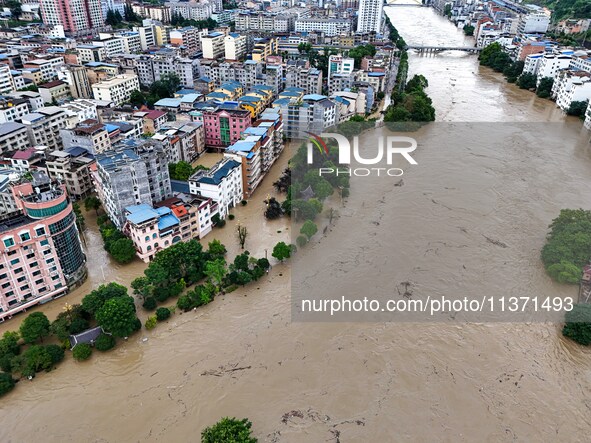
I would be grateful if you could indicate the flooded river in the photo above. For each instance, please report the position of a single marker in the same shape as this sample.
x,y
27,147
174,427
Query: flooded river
x,y
445,381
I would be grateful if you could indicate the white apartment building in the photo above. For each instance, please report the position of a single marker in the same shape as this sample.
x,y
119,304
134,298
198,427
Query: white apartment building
x,y
117,89
550,64
327,26
337,64
235,46
370,16
113,45
91,53
533,23
192,10
13,136
132,42
7,84
13,109
212,45
588,116
222,183
532,63
571,86
43,126
47,67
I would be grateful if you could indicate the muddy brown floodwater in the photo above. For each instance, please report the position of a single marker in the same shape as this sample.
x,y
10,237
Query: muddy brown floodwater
x,y
360,382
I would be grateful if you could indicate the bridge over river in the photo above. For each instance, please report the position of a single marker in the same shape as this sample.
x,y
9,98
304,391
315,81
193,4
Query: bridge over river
x,y
423,48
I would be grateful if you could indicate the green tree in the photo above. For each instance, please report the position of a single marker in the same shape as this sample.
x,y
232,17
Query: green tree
x,y
544,89
104,342
281,251
578,324
56,353
80,222
36,358
123,250
96,299
82,352
527,81
216,270
118,317
92,202
229,430
162,314
309,228
578,108
151,322
6,383
180,171
468,30
34,327
138,98
242,233
216,249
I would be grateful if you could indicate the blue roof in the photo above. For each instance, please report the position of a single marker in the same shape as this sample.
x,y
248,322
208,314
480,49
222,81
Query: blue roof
x,y
241,146
234,34
179,186
141,213
111,128
163,210
220,173
250,99
282,101
204,79
214,34
314,97
190,98
76,151
255,130
169,102
376,74
97,64
167,221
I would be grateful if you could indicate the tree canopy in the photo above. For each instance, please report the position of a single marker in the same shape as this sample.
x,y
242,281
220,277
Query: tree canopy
x,y
229,430
34,327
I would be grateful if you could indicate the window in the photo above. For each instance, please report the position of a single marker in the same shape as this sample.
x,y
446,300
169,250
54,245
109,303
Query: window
x,y
25,236
14,262
147,238
44,242
8,242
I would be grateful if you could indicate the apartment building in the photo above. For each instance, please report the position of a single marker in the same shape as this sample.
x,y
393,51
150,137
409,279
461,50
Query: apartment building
x,y
43,126
13,136
7,84
192,10
88,134
327,26
160,13
155,228
77,79
47,68
41,255
55,91
71,167
263,48
12,109
188,39
212,45
370,16
117,90
224,126
313,113
308,79
533,23
181,141
550,64
76,16
588,116
234,46
571,86
222,184
91,53
133,172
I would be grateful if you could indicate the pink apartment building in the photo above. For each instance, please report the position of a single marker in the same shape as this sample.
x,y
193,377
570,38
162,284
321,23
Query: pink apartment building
x,y
40,251
224,126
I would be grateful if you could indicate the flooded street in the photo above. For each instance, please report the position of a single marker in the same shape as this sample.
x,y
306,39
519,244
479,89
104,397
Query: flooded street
x,y
444,381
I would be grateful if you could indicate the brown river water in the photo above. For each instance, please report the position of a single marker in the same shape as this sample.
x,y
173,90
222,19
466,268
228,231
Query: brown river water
x,y
445,381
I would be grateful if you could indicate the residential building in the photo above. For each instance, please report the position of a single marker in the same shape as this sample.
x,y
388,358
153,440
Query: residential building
x,y
77,78
13,136
76,16
71,167
55,91
234,46
47,68
7,84
117,89
182,141
89,134
160,13
91,53
533,23
222,184
42,255
153,120
12,109
224,126
43,126
370,16
328,26
191,10
308,79
132,173
550,64
188,39
588,116
313,113
263,48
337,64
571,86
212,45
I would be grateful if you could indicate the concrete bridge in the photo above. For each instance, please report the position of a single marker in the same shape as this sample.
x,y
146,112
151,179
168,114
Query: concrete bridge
x,y
406,5
425,49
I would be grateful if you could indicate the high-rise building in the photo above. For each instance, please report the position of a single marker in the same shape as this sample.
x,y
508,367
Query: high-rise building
x,y
76,16
41,254
135,172
370,15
